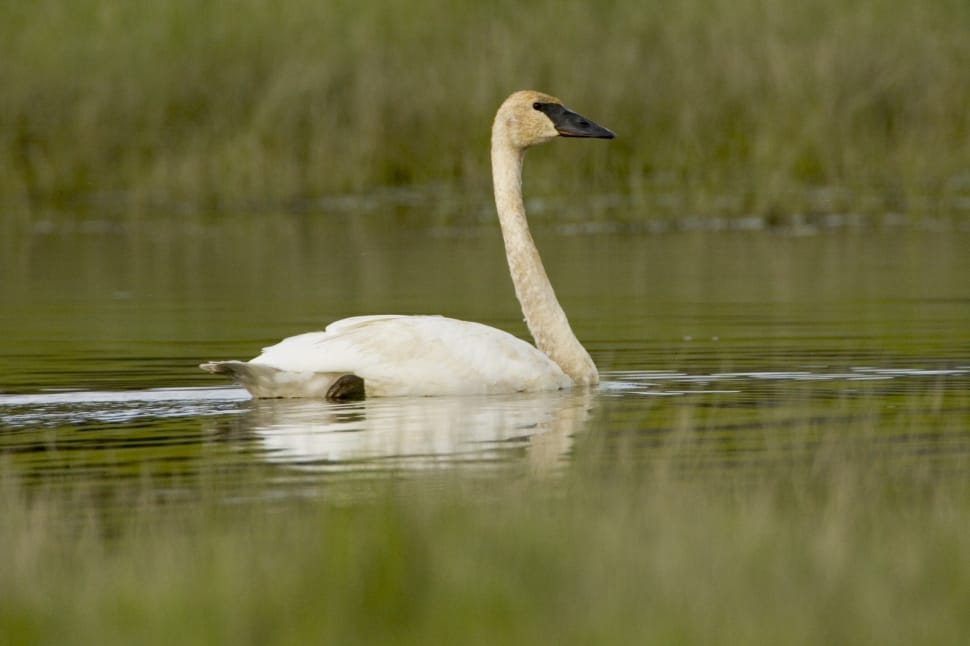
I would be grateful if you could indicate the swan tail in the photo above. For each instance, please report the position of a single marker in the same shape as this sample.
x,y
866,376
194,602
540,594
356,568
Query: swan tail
x,y
264,381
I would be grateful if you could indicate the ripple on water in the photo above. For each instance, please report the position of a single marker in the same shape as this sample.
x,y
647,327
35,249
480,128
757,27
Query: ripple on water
x,y
733,419
72,407
658,383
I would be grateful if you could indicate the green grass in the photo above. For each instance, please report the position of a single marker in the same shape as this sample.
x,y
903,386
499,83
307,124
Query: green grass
x,y
723,107
846,551
611,565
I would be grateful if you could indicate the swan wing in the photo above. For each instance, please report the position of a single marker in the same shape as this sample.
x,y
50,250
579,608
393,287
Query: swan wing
x,y
418,355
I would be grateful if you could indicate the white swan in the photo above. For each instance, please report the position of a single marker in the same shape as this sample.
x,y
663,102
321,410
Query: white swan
x,y
432,355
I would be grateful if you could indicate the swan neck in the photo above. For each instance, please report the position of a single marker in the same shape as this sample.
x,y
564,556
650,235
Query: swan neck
x,y
544,315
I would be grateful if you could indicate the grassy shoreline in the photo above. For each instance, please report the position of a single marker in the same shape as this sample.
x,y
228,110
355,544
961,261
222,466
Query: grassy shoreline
x,y
752,107
575,562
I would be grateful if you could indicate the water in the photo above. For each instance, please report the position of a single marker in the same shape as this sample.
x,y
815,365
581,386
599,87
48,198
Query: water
x,y
720,350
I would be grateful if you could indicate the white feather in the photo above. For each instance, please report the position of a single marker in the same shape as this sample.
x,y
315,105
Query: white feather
x,y
418,355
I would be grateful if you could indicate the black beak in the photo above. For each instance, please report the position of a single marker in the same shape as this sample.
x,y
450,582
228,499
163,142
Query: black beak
x,y
570,124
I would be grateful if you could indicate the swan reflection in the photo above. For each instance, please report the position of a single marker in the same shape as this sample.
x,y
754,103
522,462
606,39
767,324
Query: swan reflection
x,y
419,433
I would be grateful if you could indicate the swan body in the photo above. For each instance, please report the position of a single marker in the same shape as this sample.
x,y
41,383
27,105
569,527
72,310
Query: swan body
x,y
393,355
401,355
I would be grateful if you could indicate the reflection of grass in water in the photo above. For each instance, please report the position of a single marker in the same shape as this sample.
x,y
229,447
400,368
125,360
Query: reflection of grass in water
x,y
721,106
841,537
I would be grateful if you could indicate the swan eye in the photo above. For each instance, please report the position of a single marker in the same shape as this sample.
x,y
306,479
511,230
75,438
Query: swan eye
x,y
536,106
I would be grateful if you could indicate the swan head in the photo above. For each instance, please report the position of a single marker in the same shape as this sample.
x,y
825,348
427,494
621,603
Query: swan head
x,y
528,118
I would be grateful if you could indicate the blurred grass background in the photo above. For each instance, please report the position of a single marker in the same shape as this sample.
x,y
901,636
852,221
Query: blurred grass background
x,y
847,555
724,107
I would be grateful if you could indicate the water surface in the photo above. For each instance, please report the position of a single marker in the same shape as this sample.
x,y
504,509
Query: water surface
x,y
737,350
